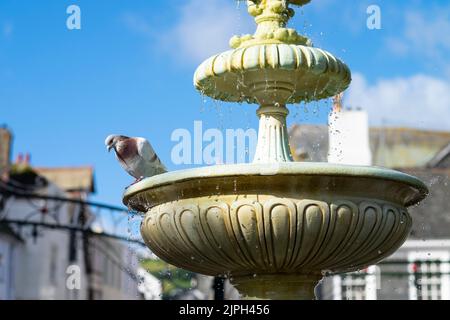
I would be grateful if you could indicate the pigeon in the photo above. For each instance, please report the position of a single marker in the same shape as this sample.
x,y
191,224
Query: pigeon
x,y
136,156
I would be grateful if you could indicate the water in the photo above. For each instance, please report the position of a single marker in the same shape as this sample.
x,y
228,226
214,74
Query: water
x,y
203,104
132,261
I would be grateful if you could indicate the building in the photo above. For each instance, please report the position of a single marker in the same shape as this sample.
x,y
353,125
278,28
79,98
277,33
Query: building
x,y
48,247
348,136
420,269
9,242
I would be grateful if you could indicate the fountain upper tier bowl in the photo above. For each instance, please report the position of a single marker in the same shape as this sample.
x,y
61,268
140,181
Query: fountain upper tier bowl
x,y
272,73
279,218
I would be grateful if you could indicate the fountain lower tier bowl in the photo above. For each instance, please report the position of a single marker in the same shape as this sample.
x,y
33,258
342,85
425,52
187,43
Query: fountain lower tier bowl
x,y
275,225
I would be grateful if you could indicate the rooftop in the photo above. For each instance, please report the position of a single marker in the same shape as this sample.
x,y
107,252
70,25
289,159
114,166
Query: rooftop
x,y
391,147
70,179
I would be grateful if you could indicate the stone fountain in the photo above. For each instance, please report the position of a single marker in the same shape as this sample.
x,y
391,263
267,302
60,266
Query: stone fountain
x,y
274,226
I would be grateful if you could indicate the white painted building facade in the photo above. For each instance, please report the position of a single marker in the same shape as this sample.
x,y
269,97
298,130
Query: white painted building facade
x,y
349,138
37,266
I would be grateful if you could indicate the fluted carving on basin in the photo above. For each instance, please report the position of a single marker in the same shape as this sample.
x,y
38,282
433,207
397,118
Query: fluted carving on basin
x,y
269,235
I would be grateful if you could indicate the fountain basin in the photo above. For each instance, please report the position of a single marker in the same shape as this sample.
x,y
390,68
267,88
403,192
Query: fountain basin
x,y
260,223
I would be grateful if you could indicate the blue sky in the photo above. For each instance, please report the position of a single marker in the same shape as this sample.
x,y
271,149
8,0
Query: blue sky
x,y
129,70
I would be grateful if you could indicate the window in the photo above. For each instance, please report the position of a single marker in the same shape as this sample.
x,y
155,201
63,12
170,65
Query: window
x,y
53,269
119,279
5,271
2,268
361,285
429,276
105,269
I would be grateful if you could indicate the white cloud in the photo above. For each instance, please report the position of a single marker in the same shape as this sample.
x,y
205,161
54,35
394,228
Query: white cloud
x,y
200,29
418,101
397,46
205,27
424,35
428,33
351,15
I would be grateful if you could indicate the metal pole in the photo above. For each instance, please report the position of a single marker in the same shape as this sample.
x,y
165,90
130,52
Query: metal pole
x,y
219,288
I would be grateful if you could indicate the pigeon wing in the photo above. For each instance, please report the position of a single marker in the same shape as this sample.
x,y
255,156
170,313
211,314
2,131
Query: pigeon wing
x,y
146,151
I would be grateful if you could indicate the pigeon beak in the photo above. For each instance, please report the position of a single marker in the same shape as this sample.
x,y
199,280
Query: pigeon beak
x,y
109,148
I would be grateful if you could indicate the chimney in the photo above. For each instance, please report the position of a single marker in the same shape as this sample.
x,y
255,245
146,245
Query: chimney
x,y
19,158
27,159
5,152
348,136
337,102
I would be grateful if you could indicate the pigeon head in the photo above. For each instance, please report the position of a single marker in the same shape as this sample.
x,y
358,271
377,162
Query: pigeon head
x,y
112,140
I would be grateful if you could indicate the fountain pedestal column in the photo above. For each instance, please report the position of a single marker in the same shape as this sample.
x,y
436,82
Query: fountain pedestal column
x,y
273,138
277,286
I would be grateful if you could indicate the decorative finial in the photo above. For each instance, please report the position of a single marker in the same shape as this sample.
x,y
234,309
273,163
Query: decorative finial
x,y
271,17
